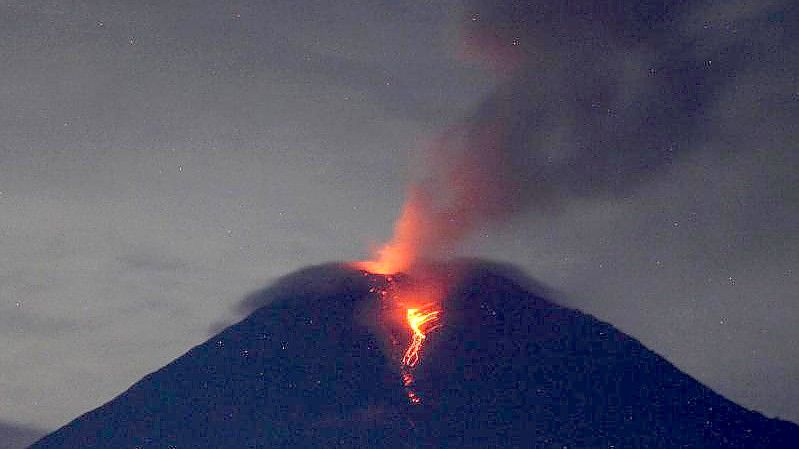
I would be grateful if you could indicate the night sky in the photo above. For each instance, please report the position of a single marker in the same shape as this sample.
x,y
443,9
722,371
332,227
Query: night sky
x,y
161,160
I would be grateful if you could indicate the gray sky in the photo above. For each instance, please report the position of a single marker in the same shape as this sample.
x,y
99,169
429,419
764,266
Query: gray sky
x,y
160,160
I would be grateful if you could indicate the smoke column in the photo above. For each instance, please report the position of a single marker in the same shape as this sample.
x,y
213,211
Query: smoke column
x,y
593,98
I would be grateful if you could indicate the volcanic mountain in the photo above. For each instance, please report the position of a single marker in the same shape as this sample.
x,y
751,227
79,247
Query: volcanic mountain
x,y
316,366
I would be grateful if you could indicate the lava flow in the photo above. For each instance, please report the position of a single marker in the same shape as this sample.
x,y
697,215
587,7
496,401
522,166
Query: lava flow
x,y
416,304
418,300
419,322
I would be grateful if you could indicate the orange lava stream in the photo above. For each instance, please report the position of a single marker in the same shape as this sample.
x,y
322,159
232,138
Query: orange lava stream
x,y
420,298
416,320
420,319
420,322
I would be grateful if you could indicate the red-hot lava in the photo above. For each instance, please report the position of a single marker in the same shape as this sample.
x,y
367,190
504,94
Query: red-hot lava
x,y
415,305
420,300
420,322
433,219
439,212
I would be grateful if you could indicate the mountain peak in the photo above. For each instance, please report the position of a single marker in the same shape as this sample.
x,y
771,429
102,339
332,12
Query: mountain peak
x,y
313,366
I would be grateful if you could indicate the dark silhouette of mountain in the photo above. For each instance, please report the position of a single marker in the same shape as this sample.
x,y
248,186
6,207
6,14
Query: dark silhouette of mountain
x,y
13,436
315,367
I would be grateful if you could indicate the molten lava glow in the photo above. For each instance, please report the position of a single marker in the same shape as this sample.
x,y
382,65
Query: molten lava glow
x,y
419,303
400,253
419,299
420,323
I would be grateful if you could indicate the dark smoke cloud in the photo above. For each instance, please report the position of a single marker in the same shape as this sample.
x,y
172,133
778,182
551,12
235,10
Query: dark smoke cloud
x,y
595,98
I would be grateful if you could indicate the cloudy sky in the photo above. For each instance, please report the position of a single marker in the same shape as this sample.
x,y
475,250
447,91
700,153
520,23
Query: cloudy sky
x,y
160,160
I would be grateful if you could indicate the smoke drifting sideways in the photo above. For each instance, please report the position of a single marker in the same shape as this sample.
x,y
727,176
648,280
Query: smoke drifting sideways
x,y
593,99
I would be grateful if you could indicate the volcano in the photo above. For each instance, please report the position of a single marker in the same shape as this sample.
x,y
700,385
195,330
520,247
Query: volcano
x,y
317,366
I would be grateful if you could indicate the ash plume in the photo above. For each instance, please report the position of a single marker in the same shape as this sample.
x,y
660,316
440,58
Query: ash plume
x,y
593,99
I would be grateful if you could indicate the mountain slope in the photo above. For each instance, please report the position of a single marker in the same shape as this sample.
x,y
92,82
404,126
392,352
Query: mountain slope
x,y
506,369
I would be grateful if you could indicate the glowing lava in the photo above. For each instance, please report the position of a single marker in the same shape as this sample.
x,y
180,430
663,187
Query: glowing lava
x,y
420,322
419,299
414,305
